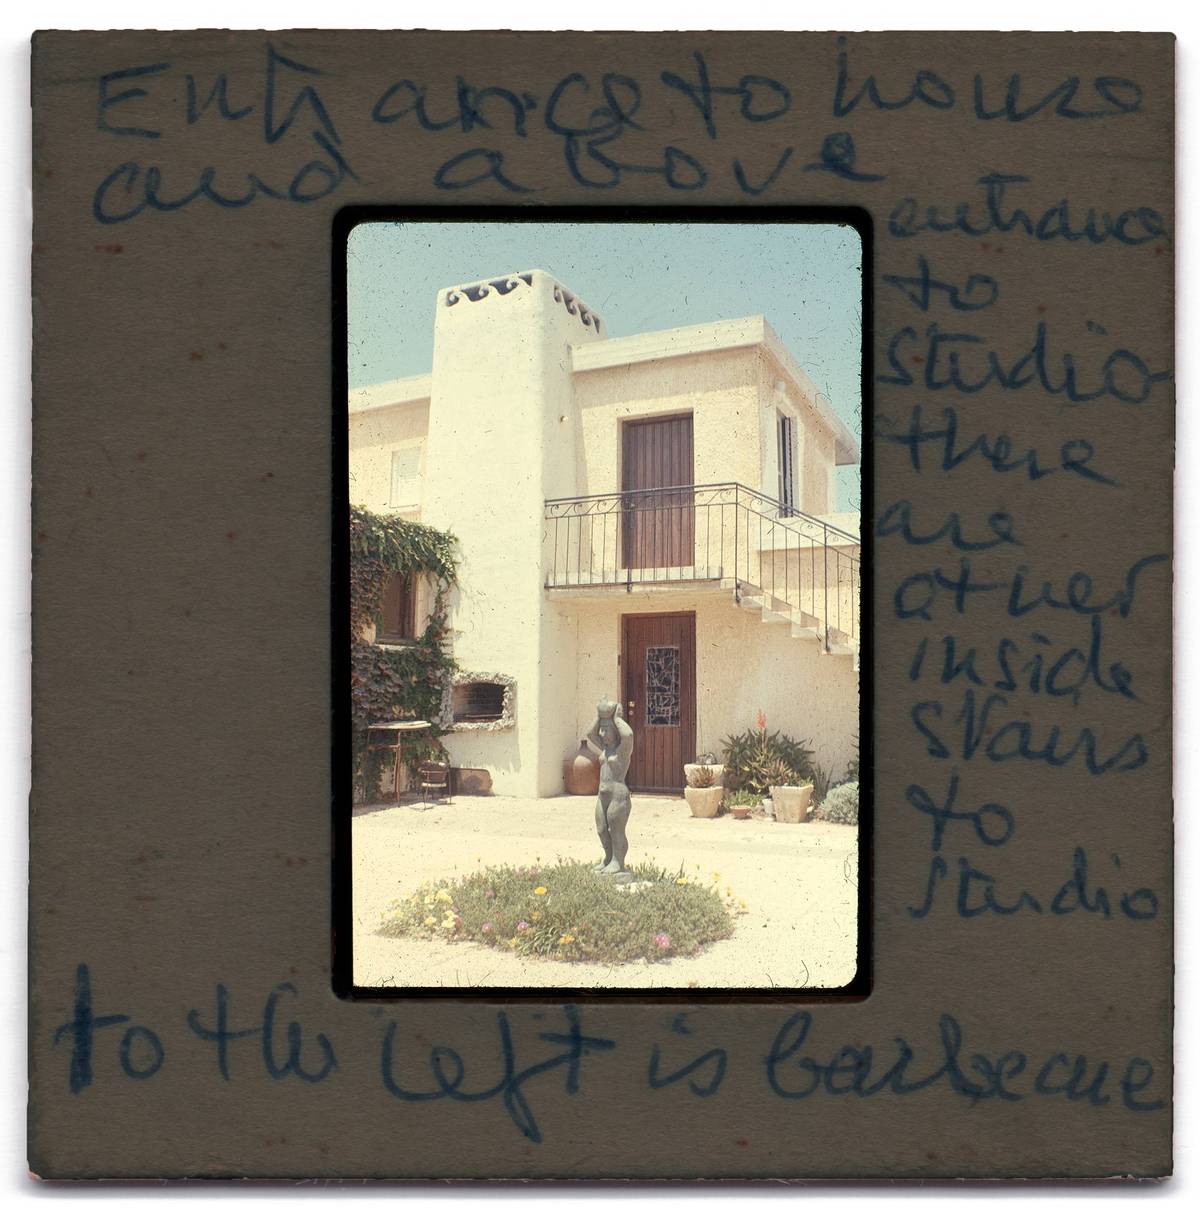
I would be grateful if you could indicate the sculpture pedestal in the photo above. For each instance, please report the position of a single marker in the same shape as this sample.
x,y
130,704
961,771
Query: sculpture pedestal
x,y
623,876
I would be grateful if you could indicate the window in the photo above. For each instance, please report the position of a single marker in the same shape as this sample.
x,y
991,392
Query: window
x,y
662,687
399,621
406,476
787,464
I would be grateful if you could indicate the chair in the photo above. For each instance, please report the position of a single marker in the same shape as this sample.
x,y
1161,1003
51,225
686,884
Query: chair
x,y
433,779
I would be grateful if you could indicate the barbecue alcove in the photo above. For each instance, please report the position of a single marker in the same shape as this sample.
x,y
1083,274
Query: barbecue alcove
x,y
479,702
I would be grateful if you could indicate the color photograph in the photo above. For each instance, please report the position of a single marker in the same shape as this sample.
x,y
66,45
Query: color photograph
x,y
605,603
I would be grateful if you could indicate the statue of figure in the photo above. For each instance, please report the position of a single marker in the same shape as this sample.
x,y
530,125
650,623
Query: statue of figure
x,y
613,737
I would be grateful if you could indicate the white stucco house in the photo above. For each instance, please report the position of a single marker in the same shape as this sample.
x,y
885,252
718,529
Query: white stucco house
x,y
647,517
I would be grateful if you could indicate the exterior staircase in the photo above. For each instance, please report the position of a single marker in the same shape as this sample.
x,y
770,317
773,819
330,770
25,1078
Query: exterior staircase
x,y
789,567
801,625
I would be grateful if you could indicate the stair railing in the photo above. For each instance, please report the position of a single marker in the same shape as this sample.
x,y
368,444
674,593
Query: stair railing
x,y
716,532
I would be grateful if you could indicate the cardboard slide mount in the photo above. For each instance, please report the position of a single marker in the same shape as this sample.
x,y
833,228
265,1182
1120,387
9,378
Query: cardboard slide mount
x,y
183,1015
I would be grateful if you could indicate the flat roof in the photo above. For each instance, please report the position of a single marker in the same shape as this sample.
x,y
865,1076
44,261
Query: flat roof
x,y
391,394
752,331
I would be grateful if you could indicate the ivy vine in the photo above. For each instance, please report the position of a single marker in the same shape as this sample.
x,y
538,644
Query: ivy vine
x,y
388,683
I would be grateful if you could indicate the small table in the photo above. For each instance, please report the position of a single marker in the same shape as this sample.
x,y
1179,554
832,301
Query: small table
x,y
399,727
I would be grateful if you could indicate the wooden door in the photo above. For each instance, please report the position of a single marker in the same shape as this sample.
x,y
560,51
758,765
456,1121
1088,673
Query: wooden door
x,y
658,684
658,528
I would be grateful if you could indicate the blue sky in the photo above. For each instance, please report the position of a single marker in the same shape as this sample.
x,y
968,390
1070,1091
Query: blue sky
x,y
638,276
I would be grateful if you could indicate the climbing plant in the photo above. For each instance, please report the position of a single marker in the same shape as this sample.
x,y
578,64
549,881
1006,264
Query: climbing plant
x,y
395,683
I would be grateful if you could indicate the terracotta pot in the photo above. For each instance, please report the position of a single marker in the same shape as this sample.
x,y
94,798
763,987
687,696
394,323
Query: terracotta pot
x,y
581,771
740,811
791,804
704,802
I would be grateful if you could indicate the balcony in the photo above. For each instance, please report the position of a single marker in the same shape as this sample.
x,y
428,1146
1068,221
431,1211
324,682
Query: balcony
x,y
786,565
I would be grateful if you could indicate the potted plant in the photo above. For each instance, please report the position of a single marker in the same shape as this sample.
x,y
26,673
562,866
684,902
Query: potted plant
x,y
770,765
791,797
741,802
702,792
748,752
705,767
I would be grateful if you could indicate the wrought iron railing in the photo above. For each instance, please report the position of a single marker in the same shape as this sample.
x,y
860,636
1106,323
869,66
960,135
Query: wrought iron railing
x,y
792,564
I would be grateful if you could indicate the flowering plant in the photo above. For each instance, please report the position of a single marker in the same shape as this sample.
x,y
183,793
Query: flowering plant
x,y
757,760
568,913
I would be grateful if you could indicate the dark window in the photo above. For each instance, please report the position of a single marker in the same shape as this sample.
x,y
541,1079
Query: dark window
x,y
478,702
399,621
662,686
787,464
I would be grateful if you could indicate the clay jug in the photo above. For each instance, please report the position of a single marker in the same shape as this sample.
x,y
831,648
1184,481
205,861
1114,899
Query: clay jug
x,y
581,771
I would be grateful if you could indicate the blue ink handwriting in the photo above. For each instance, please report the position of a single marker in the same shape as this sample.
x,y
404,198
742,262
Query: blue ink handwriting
x,y
449,1070
81,1030
850,1069
1132,227
131,188
957,360
917,595
1116,96
712,1062
977,294
1018,740
896,520
1058,672
222,1035
1074,455
976,894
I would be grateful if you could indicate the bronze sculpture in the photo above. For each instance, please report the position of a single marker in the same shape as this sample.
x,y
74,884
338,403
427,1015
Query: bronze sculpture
x,y
613,737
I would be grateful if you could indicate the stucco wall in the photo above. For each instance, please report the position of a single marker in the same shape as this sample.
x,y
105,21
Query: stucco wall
x,y
817,475
742,666
374,435
501,437
734,397
720,390
815,470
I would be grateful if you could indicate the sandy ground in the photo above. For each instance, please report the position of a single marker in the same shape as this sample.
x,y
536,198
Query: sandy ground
x,y
800,883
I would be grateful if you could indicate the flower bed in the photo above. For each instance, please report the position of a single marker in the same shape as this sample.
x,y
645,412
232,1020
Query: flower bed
x,y
569,912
